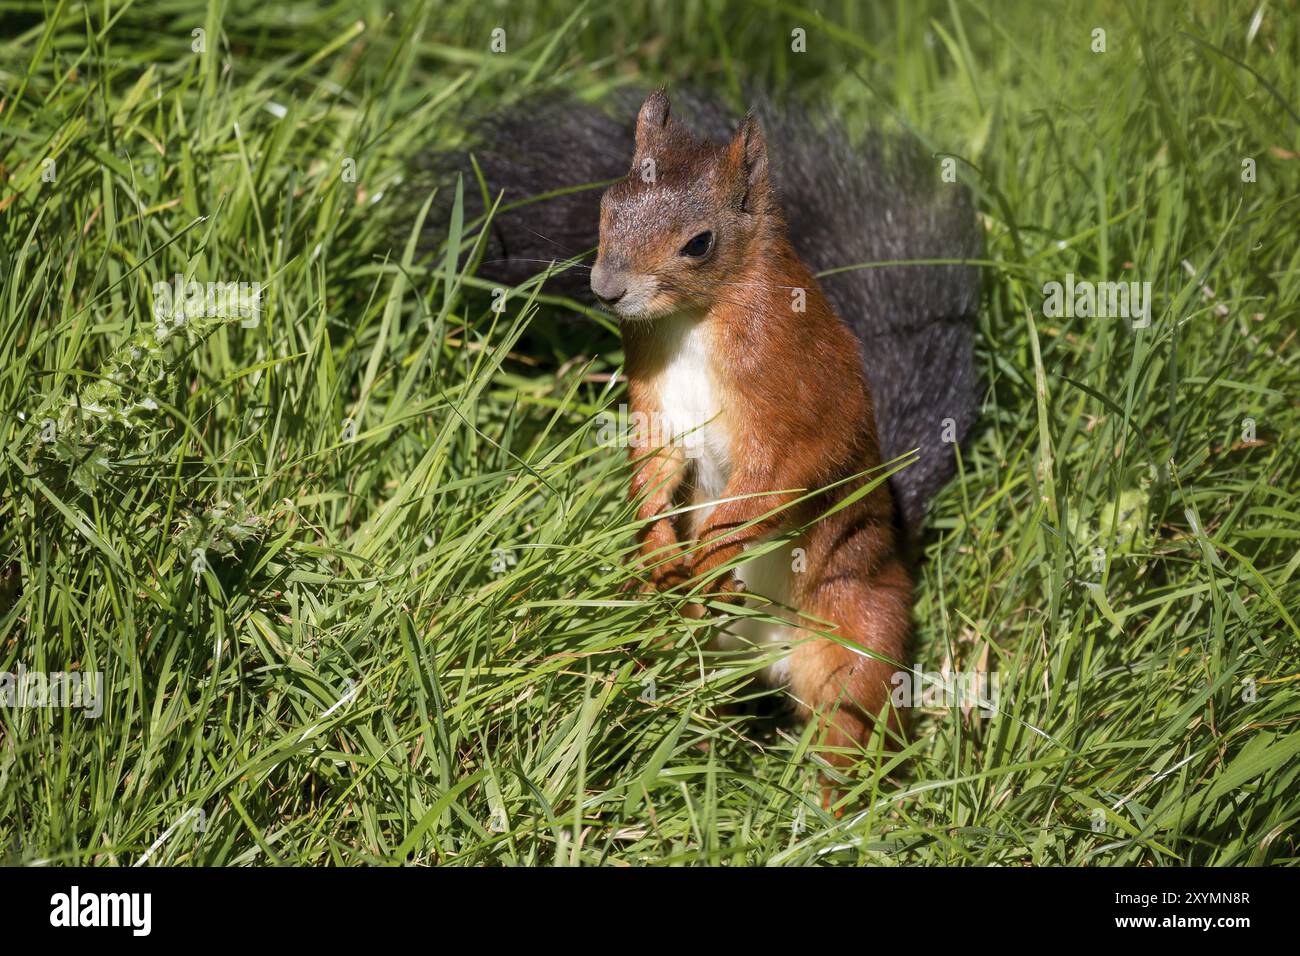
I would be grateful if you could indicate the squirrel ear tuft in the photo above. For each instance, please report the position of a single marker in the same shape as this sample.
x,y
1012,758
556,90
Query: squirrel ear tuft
x,y
748,154
653,118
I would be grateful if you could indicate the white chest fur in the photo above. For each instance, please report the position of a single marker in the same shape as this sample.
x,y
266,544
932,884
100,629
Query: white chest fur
x,y
692,410
691,406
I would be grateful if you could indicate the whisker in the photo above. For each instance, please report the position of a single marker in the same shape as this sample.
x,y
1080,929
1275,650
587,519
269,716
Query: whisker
x,y
558,262
553,242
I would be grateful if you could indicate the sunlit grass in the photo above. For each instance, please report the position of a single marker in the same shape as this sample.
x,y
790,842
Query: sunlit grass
x,y
407,638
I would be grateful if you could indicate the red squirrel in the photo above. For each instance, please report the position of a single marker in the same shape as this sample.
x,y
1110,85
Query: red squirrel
x,y
757,397
864,198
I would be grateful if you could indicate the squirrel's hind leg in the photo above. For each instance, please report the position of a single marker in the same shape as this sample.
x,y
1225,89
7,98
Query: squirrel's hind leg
x,y
838,686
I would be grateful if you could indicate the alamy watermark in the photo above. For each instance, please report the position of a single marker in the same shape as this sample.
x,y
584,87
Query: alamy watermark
x,y
181,300
79,689
969,690
645,430
133,911
1100,300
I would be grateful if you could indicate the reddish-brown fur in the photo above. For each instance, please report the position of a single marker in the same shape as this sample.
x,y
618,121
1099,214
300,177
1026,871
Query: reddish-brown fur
x,y
794,406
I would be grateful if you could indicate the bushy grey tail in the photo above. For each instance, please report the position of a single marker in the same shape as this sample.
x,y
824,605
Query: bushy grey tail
x,y
847,203
531,150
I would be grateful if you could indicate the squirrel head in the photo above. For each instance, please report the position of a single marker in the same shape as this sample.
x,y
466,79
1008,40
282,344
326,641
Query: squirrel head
x,y
678,230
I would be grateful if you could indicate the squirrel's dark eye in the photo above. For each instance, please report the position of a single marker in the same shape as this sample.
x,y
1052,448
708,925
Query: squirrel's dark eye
x,y
699,246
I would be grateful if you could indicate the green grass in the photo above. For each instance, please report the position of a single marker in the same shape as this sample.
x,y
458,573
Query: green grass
x,y
347,680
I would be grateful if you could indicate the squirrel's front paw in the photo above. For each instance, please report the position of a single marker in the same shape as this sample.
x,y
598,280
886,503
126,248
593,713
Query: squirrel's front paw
x,y
727,588
662,577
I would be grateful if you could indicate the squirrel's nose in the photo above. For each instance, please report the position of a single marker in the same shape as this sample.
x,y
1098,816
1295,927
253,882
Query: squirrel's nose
x,y
608,288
